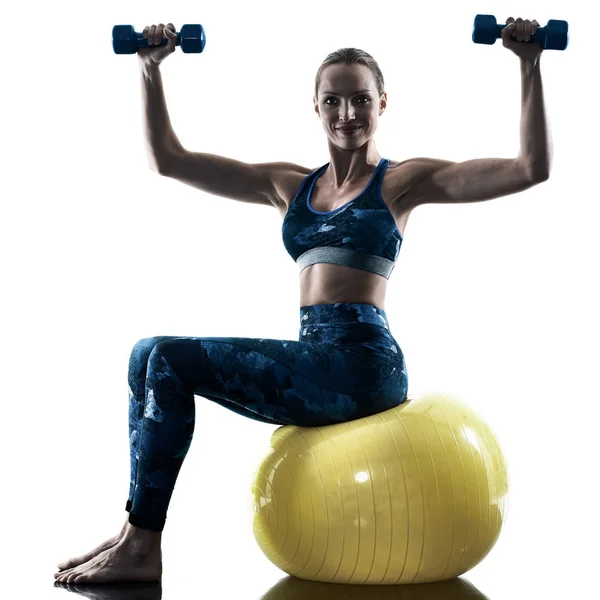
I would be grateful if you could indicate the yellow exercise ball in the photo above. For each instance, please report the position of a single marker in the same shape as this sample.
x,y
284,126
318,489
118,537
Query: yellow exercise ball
x,y
413,494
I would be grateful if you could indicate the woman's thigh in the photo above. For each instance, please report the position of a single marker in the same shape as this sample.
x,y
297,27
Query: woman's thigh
x,y
285,381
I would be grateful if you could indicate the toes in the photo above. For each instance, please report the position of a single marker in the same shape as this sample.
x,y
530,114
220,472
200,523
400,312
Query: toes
x,y
64,576
66,571
90,575
68,566
76,575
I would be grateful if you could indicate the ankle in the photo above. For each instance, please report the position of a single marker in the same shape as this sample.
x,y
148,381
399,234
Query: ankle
x,y
141,538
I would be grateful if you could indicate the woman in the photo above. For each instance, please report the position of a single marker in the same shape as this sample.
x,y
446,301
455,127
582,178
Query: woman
x,y
343,223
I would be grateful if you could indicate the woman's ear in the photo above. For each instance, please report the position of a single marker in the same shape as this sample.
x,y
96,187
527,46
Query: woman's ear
x,y
382,103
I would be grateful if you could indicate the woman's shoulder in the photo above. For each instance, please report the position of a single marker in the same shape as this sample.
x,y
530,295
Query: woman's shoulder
x,y
287,179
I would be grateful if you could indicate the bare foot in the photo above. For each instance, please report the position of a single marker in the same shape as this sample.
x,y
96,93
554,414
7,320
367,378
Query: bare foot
x,y
113,541
122,562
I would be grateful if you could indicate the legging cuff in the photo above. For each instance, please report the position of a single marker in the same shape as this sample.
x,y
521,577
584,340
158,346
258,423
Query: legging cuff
x,y
153,524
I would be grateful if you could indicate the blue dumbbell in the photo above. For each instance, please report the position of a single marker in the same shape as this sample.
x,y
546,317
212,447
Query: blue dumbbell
x,y
126,40
555,36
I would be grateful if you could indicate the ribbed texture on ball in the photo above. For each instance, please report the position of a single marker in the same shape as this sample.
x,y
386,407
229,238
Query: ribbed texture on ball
x,y
413,494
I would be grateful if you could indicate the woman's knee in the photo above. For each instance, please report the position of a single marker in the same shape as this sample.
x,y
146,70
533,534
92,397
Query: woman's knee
x,y
169,354
140,355
145,346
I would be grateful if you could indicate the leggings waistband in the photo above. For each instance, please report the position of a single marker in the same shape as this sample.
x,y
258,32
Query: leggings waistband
x,y
342,313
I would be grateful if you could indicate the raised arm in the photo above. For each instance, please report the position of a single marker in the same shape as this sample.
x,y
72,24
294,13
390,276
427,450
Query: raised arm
x,y
161,141
479,179
217,175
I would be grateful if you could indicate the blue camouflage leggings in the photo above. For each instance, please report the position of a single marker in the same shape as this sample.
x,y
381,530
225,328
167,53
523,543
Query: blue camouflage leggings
x,y
346,365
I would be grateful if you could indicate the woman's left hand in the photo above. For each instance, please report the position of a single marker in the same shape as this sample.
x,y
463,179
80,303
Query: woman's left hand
x,y
516,36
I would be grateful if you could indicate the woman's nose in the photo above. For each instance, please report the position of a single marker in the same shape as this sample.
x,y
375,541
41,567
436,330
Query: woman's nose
x,y
347,113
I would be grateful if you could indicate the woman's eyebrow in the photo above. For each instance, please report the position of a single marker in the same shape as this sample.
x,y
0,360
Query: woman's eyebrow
x,y
356,92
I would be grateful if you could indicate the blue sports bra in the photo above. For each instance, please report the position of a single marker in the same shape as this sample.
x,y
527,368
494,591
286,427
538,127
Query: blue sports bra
x,y
361,233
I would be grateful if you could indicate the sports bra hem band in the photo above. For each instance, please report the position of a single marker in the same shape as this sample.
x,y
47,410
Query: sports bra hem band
x,y
346,257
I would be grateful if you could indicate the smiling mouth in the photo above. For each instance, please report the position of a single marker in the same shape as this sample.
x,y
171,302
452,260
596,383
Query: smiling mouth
x,y
348,130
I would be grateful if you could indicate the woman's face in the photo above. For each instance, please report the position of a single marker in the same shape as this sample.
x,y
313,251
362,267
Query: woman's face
x,y
348,97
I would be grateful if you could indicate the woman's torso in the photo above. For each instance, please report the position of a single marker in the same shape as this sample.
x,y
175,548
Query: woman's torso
x,y
325,283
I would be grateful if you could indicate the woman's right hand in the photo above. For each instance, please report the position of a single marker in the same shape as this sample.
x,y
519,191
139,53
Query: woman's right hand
x,y
155,34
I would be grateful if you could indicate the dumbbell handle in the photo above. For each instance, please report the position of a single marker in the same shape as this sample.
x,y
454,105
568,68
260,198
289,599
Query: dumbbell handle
x,y
538,37
141,42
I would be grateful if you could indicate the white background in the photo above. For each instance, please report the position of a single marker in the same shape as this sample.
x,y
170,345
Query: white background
x,y
494,301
